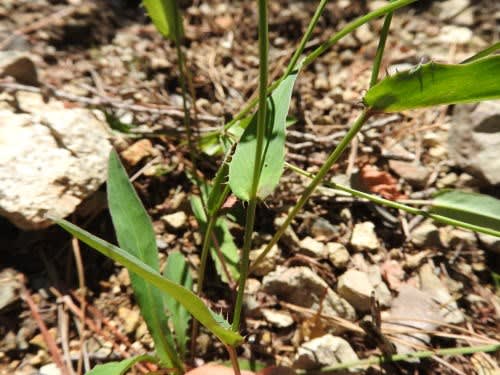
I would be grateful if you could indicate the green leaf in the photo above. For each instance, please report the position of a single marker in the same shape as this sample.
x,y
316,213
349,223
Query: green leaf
x,y
185,297
166,17
243,163
472,208
224,238
177,271
120,368
434,84
135,235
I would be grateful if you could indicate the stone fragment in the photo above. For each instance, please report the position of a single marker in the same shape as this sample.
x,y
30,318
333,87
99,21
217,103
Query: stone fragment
x,y
355,287
425,234
474,140
310,246
278,318
50,161
269,262
455,34
464,238
324,351
415,174
382,292
491,243
175,221
323,230
289,237
19,66
432,285
414,309
338,254
49,369
303,287
137,151
10,287
446,10
364,238
131,319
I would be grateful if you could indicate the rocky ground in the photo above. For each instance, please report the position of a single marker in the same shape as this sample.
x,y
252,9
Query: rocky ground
x,y
74,74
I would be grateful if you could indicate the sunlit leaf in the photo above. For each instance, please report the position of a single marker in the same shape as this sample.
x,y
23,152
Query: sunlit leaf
x,y
135,235
120,368
185,297
472,208
177,270
434,84
166,17
243,162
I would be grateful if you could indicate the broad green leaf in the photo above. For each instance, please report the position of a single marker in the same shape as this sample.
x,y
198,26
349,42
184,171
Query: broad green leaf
x,y
224,238
166,17
135,235
177,271
243,162
434,84
120,368
185,297
472,208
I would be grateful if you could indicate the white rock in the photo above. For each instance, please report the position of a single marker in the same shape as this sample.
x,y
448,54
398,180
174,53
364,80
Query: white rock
x,y
415,174
432,285
131,319
279,319
49,369
312,247
10,286
426,234
323,351
449,9
356,288
338,254
364,238
455,34
491,243
175,221
50,161
474,140
269,262
301,286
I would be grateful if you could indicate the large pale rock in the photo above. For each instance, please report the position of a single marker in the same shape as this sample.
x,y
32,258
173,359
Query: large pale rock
x,y
474,140
364,238
327,350
51,159
301,286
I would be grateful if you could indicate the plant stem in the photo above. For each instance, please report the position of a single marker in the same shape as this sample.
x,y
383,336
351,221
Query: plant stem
x,y
261,129
380,48
334,156
398,205
234,359
350,27
377,360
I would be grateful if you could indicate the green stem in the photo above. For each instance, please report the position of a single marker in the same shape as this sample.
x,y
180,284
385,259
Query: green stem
x,y
334,156
398,205
380,48
378,360
485,52
291,66
261,129
350,27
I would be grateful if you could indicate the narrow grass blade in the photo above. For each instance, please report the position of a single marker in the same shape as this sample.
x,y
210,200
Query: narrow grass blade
x,y
434,84
135,235
472,208
177,271
227,247
165,15
120,368
272,162
212,321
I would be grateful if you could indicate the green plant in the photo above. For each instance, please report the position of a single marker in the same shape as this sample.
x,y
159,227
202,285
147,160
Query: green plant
x,y
252,167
